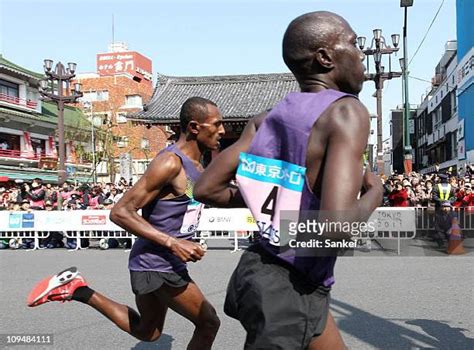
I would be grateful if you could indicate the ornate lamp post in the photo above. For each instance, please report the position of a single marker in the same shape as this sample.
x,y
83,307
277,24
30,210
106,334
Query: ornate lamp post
x,y
56,88
408,161
377,49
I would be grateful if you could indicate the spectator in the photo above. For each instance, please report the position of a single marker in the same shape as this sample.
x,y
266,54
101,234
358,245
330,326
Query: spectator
x,y
443,192
4,145
399,196
36,195
4,198
468,199
115,195
97,198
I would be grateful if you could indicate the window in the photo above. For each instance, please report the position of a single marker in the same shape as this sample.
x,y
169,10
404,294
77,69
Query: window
x,y
437,118
98,118
121,118
9,88
123,142
454,102
102,95
145,143
133,101
92,96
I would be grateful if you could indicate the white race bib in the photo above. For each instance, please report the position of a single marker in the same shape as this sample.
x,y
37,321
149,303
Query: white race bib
x,y
269,186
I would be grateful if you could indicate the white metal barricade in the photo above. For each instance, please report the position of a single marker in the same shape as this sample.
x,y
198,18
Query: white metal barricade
x,y
78,235
20,235
228,224
203,236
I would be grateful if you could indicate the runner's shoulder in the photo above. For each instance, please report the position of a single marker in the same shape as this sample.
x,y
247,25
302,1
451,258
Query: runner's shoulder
x,y
166,162
256,121
347,112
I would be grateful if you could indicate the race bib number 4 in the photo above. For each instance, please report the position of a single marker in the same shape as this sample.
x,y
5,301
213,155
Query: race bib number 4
x,y
269,186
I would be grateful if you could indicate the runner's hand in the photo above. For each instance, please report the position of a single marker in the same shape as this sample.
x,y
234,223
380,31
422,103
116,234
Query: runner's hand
x,y
186,250
371,180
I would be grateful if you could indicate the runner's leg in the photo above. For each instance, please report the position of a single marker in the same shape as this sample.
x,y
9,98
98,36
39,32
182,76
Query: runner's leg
x,y
329,339
190,303
146,324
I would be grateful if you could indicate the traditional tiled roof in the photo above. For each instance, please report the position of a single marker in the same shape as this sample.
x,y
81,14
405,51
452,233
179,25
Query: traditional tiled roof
x,y
239,97
6,64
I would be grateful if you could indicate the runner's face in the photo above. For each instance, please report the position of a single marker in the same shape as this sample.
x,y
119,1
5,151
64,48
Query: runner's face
x,y
212,129
349,62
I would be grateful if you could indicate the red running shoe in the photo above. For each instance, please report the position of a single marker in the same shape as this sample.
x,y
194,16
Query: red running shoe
x,y
56,288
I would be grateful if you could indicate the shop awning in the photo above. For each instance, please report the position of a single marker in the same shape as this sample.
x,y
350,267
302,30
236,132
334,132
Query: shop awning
x,y
12,175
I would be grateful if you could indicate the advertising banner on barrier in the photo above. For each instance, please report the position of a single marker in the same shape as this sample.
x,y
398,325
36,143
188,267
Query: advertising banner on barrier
x,y
227,220
213,219
79,220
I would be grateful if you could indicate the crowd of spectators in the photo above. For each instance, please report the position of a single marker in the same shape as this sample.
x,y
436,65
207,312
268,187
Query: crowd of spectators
x,y
413,190
416,190
24,196
401,190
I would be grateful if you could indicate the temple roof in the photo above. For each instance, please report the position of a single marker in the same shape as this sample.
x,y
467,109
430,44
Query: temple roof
x,y
239,97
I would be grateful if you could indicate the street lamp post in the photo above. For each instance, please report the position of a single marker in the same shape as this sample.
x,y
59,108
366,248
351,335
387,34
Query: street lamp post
x,y
377,49
408,161
56,88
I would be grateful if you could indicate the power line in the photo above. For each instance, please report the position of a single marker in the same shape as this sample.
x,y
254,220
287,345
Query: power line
x,y
420,79
426,34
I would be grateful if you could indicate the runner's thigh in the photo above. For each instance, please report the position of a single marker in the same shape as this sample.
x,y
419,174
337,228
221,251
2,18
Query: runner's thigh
x,y
189,302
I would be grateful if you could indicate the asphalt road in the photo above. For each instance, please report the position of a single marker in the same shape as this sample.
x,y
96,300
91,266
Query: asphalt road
x,y
378,302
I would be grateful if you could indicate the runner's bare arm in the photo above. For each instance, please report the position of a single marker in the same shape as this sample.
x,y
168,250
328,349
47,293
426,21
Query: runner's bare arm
x,y
214,187
347,133
162,171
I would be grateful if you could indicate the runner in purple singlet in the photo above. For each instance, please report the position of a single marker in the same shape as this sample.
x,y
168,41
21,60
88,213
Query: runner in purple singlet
x,y
157,263
305,154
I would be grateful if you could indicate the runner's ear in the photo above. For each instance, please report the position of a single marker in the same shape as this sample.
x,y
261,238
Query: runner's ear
x,y
193,127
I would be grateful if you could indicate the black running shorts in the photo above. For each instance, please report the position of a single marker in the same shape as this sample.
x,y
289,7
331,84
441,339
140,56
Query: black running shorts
x,y
144,282
275,304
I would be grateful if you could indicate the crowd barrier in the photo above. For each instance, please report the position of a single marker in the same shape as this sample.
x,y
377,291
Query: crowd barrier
x,y
234,224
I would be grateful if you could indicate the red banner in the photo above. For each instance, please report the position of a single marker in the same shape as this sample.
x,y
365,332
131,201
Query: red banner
x,y
52,151
28,149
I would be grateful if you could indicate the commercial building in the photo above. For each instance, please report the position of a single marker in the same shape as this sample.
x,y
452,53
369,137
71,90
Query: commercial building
x,y
120,87
436,121
28,126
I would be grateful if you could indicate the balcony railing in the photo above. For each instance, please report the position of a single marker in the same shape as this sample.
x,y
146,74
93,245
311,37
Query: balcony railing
x,y
18,101
45,161
7,153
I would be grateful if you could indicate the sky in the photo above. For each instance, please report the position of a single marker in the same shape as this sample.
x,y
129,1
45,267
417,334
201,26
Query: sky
x,y
208,37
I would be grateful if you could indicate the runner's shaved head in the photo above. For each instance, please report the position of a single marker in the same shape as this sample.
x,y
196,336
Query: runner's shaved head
x,y
308,33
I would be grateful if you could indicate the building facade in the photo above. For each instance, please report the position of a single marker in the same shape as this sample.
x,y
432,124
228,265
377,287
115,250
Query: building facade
x,y
465,81
28,130
120,87
436,121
